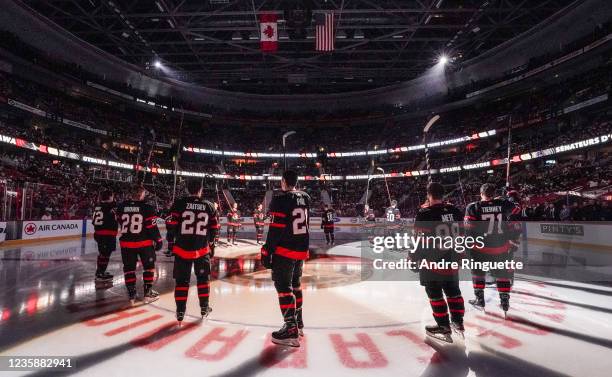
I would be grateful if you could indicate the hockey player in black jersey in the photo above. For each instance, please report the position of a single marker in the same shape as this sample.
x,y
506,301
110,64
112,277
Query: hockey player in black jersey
x,y
140,238
327,224
259,218
233,224
368,214
494,219
191,232
105,225
440,219
285,251
392,214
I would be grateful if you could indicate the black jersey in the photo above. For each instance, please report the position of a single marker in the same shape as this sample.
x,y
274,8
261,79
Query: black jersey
x,y
327,219
138,225
369,215
259,217
104,219
496,221
191,227
392,215
442,221
289,234
233,218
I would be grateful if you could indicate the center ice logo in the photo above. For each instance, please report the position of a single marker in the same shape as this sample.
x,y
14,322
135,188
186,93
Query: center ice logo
x,y
29,229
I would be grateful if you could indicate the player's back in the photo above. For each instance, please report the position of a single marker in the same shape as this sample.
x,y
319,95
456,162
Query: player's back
x,y
290,215
138,224
439,220
392,214
328,217
491,219
191,219
104,219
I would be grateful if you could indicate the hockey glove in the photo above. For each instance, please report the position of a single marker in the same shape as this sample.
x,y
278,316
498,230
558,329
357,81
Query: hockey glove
x,y
266,258
168,252
158,245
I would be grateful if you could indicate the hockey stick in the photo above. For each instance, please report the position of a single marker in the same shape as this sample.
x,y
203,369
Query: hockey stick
x,y
429,124
176,157
285,136
386,184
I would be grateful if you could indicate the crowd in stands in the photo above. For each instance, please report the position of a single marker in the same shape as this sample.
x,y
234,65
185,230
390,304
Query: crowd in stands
x,y
42,186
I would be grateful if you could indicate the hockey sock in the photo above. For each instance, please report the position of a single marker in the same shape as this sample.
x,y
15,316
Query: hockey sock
x,y
456,308
181,290
147,277
503,285
478,282
102,263
286,301
203,292
440,311
130,279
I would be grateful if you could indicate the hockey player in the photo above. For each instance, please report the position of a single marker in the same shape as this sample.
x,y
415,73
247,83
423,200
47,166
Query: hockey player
x,y
191,232
327,224
105,225
259,218
368,214
439,219
494,220
392,213
140,238
285,251
233,223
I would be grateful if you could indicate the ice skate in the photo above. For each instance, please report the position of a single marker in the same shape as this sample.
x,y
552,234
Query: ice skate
x,y
442,333
150,295
132,295
103,277
478,302
288,335
205,311
458,329
505,303
179,318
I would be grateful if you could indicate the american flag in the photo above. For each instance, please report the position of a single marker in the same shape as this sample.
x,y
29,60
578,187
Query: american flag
x,y
324,32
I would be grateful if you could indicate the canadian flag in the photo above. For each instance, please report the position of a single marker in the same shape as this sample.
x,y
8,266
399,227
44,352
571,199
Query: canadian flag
x,y
268,28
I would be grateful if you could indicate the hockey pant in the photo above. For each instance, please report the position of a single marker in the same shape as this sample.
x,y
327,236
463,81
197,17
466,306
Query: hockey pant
x,y
106,246
182,276
130,259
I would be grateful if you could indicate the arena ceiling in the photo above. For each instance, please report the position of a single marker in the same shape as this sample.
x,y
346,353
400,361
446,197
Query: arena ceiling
x,y
215,43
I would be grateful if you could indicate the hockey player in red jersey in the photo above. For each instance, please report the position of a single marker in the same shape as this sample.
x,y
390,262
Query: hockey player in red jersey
x,y
495,220
233,223
327,224
259,218
191,232
140,238
439,219
105,225
285,251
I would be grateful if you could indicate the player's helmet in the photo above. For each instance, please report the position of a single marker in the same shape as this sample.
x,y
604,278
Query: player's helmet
x,y
394,203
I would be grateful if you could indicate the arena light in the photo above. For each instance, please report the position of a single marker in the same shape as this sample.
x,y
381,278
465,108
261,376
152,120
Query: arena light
x,y
443,59
157,64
